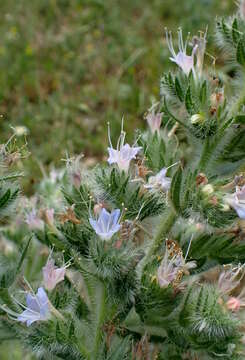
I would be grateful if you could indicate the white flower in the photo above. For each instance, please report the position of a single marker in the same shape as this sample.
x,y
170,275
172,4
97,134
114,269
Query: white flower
x,y
33,221
230,278
37,308
237,201
107,224
52,275
184,61
154,121
20,130
123,154
160,180
208,189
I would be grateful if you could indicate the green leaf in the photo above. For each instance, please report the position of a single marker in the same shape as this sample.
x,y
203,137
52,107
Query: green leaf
x,y
240,55
203,92
5,198
235,32
189,104
240,119
23,255
179,90
176,189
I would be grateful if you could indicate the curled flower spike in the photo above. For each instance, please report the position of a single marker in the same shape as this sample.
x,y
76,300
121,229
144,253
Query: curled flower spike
x,y
52,275
123,154
237,201
36,309
107,224
33,221
184,61
230,278
154,121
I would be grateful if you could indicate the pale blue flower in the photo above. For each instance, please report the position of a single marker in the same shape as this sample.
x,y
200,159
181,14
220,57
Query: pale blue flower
x,y
107,224
123,154
159,181
237,201
184,61
37,308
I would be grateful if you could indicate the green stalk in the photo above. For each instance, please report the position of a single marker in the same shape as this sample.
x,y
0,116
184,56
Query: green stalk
x,y
101,307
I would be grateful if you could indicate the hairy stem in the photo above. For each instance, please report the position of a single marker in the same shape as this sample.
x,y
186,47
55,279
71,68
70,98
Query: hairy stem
x,y
100,318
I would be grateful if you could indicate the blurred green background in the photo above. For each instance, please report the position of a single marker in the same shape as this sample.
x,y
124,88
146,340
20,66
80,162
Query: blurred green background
x,y
69,66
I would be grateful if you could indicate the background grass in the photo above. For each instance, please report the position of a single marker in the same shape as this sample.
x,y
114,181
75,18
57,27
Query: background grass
x,y
69,66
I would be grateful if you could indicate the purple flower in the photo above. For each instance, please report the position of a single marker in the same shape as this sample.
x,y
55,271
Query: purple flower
x,y
52,275
107,224
237,201
184,61
37,308
154,121
159,181
123,154
33,221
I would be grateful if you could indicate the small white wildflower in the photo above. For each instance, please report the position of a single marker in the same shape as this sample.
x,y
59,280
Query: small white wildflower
x,y
184,61
154,121
123,154
237,201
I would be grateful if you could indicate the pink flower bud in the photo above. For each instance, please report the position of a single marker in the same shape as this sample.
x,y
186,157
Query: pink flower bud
x,y
52,275
233,304
97,208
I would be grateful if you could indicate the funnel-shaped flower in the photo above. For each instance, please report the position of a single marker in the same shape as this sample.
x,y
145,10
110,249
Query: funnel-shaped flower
x,y
33,221
37,308
52,275
184,61
237,201
159,181
154,121
107,224
123,154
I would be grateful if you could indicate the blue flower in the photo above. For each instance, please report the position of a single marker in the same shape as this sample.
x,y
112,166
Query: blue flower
x,y
107,224
37,308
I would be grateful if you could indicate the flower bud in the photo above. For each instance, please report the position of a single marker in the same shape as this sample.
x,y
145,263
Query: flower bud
x,y
208,189
201,179
217,99
97,208
225,207
233,304
242,9
197,119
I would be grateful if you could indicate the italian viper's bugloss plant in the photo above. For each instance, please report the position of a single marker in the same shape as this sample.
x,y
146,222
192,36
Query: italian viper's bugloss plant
x,y
141,257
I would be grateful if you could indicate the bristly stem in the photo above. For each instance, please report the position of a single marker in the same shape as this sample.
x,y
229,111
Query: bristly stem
x,y
99,323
